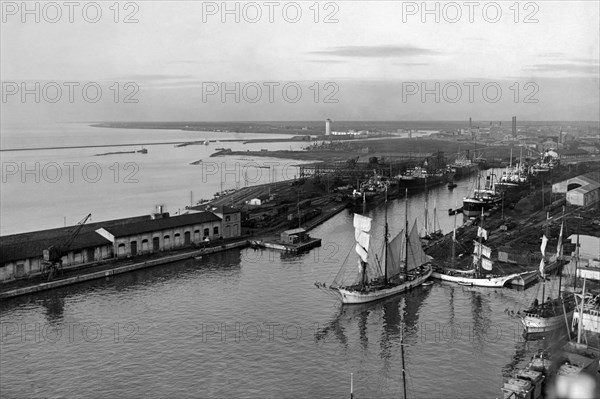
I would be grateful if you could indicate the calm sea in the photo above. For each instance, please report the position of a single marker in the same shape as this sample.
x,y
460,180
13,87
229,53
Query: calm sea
x,y
44,188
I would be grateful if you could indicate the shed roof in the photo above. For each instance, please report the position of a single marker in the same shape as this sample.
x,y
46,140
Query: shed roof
x,y
162,224
586,189
13,251
226,210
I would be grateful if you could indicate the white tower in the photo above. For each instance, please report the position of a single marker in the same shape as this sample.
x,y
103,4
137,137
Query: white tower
x,y
327,127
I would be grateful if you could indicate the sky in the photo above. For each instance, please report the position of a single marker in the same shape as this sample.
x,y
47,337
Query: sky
x,y
305,60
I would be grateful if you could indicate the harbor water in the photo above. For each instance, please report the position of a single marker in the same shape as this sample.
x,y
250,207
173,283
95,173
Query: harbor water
x,y
250,323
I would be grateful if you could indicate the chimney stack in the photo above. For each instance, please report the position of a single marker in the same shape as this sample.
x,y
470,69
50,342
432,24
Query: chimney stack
x,y
514,126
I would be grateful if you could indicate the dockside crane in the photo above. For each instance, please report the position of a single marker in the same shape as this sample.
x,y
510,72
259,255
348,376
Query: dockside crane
x,y
52,256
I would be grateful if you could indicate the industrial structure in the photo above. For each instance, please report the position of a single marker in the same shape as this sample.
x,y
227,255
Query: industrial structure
x,y
22,255
582,190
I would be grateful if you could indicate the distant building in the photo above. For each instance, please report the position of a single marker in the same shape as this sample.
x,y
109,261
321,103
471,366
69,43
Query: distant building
x,y
21,255
231,221
582,190
260,200
293,236
162,234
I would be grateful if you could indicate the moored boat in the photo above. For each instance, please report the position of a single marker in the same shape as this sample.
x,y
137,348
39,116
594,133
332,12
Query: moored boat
x,y
483,199
480,275
550,314
528,382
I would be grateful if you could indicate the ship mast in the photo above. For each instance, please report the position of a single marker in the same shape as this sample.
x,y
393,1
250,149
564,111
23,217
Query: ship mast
x,y
406,235
559,252
543,268
426,211
454,237
402,352
385,243
577,254
479,249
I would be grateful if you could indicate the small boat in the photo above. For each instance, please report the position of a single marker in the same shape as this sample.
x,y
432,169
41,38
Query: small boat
x,y
528,382
454,211
402,260
427,283
198,257
451,185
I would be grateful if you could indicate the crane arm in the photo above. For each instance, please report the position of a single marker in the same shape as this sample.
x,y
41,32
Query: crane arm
x,y
67,244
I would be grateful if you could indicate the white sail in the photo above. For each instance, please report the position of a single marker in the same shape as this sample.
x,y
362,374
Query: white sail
x,y
482,250
542,266
361,252
559,245
362,223
544,243
362,226
362,238
481,232
486,264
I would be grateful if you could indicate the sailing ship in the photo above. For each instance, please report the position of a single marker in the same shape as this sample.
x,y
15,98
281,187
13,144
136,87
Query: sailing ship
x,y
478,275
551,313
399,266
431,232
483,199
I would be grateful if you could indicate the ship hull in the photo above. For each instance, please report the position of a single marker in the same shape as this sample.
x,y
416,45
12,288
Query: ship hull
x,y
473,207
421,182
590,320
537,324
491,282
355,297
466,170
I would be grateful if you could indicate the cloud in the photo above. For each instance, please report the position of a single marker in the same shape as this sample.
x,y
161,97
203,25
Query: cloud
x,y
564,67
593,61
411,63
376,51
328,61
552,55
154,77
184,62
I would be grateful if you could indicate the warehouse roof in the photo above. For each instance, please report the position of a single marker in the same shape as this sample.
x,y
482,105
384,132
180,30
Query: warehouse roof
x,y
163,223
31,245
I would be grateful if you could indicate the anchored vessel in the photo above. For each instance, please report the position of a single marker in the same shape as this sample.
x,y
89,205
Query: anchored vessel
x,y
399,266
552,313
483,199
478,275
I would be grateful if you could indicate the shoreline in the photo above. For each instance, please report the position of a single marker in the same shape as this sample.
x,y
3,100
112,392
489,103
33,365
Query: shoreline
x,y
115,267
87,272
